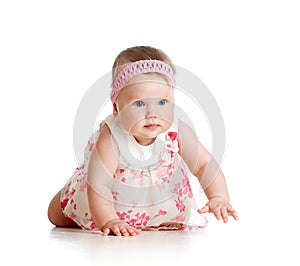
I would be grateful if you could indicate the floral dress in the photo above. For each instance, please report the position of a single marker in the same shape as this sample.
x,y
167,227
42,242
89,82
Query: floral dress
x,y
151,188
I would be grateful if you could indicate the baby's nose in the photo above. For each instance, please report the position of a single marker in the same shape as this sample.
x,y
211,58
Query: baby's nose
x,y
151,111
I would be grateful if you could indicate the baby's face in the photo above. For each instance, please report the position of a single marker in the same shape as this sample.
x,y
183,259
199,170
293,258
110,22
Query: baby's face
x,y
146,107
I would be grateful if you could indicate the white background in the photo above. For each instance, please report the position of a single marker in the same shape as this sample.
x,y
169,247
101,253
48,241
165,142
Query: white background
x,y
246,52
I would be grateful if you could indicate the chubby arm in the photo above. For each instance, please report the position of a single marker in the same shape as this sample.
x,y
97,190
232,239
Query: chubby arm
x,y
102,165
206,169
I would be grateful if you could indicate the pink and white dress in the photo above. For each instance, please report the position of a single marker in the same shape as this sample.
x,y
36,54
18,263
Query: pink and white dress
x,y
151,188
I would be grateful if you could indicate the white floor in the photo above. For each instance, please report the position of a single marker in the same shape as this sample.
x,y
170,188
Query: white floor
x,y
235,243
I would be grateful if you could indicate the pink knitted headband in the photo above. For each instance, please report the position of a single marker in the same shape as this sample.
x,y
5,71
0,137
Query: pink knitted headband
x,y
137,68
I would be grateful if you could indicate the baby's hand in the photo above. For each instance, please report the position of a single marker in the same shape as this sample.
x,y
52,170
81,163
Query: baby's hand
x,y
119,228
220,208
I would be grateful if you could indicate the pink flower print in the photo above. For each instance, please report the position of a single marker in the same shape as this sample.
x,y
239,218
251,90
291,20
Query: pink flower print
x,y
197,227
170,166
172,135
161,212
179,219
91,146
143,218
72,216
165,179
121,215
136,175
179,192
86,214
146,220
176,188
180,205
132,222
193,227
121,170
126,216
115,194
73,192
137,215
93,224
187,187
81,167
163,175
64,203
184,172
75,206
84,177
123,179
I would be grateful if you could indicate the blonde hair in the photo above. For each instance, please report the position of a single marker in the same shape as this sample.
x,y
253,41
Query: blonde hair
x,y
138,53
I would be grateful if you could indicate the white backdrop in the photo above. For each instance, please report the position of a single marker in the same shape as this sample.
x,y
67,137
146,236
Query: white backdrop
x,y
246,52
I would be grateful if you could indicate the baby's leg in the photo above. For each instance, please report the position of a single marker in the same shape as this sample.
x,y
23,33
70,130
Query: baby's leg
x,y
56,215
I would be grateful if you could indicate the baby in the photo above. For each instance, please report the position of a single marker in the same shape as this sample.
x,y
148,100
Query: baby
x,y
137,165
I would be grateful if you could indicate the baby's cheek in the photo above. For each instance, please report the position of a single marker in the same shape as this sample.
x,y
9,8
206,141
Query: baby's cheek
x,y
130,118
166,114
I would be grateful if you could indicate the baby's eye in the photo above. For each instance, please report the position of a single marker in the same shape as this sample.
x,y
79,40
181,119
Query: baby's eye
x,y
139,103
162,102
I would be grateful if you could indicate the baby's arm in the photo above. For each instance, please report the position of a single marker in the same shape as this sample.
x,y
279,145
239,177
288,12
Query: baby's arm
x,y
102,165
208,172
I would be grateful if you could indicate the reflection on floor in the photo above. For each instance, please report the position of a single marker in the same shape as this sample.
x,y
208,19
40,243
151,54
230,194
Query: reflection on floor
x,y
245,242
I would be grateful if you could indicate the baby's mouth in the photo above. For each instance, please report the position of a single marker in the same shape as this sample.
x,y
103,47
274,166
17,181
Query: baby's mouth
x,y
151,126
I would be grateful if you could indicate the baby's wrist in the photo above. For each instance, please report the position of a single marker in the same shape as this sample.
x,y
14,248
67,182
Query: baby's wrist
x,y
220,198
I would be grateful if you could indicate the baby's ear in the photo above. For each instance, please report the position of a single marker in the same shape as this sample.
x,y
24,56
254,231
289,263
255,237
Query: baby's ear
x,y
115,111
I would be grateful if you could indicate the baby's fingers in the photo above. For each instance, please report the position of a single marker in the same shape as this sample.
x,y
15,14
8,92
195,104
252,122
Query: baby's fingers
x,y
217,212
224,214
106,231
204,209
233,213
111,230
124,231
133,231
226,211
128,230
115,229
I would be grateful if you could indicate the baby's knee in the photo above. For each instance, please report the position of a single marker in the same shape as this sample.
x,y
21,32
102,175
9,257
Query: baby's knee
x,y
54,210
